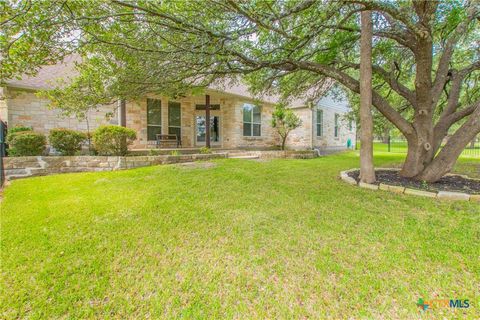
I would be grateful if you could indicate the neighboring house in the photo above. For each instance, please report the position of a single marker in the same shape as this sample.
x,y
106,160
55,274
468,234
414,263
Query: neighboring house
x,y
238,120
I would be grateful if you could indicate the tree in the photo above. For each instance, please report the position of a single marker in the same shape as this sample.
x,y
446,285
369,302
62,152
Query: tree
x,y
425,54
284,120
367,171
83,94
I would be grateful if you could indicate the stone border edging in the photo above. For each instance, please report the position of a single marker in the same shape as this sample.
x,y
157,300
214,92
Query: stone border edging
x,y
442,195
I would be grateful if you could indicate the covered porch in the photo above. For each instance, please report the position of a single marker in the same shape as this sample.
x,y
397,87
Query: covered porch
x,y
234,122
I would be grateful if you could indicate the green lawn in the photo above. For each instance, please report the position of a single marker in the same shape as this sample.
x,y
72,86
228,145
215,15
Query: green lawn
x,y
401,147
243,239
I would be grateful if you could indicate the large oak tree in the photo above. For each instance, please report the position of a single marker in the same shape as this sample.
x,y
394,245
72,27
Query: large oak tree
x,y
425,54
367,171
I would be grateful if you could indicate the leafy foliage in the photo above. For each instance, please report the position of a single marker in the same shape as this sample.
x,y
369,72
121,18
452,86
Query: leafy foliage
x,y
13,131
284,120
66,141
26,143
205,150
425,55
113,140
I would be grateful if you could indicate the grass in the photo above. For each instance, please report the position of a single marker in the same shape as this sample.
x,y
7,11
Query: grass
x,y
243,239
401,147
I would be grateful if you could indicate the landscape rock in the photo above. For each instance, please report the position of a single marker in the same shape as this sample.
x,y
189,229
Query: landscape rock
x,y
420,193
368,186
475,197
447,195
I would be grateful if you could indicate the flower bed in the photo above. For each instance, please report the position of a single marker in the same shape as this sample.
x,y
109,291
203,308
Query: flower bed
x,y
450,187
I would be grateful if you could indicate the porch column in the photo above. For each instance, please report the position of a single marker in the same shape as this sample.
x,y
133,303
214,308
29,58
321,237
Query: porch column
x,y
164,112
122,113
207,121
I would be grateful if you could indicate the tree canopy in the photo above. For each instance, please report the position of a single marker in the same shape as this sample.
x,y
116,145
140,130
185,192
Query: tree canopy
x,y
426,56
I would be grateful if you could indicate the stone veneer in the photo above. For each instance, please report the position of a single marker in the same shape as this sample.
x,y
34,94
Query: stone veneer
x,y
231,121
24,107
305,137
22,167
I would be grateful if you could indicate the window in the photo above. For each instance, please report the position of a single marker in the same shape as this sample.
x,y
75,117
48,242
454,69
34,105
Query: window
x,y
337,126
154,118
252,119
174,118
319,122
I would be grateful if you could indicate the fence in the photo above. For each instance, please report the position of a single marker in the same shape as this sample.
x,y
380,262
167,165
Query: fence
x,y
400,146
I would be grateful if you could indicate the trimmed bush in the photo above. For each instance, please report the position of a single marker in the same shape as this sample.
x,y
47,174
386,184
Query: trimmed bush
x,y
66,141
26,143
113,140
13,131
205,150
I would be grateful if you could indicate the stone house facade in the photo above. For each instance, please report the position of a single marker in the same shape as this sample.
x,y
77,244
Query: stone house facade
x,y
237,119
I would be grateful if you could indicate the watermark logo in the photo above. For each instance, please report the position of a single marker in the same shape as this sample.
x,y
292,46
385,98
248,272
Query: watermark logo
x,y
424,305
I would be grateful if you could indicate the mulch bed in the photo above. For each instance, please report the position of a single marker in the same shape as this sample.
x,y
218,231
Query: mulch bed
x,y
453,183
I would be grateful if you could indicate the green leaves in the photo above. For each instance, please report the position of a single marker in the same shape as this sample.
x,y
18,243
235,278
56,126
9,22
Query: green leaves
x,y
174,48
284,120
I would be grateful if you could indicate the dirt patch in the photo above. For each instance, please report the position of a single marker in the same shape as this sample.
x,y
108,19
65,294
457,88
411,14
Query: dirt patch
x,y
453,183
197,165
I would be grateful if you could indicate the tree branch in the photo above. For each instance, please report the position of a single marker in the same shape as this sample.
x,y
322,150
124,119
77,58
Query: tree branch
x,y
377,100
389,77
443,65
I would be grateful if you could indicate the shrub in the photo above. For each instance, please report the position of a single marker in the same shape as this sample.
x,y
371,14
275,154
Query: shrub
x,y
284,120
66,141
205,150
27,143
13,131
113,140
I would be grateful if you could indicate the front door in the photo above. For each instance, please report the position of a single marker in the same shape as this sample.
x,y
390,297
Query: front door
x,y
214,130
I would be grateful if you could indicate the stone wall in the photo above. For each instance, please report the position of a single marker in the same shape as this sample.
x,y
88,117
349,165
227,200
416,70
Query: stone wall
x,y
22,167
25,108
328,139
3,104
301,138
306,137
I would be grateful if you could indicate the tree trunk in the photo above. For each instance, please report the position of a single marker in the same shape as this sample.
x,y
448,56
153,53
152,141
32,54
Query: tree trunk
x,y
449,154
284,139
367,171
413,164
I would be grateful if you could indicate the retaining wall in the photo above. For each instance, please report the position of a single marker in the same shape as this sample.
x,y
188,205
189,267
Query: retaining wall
x,y
22,167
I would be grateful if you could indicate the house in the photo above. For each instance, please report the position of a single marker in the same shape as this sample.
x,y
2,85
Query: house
x,y
237,119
